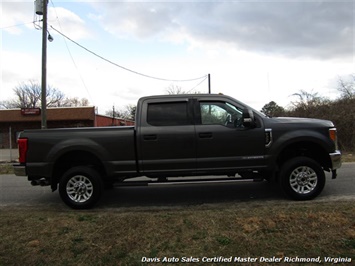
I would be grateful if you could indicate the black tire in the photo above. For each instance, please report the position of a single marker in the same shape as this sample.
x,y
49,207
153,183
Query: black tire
x,y
301,178
80,187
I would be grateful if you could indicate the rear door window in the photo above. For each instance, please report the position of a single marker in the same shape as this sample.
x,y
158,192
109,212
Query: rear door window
x,y
168,114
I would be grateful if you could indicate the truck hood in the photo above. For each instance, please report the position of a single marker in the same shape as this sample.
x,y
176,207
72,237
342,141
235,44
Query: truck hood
x,y
305,122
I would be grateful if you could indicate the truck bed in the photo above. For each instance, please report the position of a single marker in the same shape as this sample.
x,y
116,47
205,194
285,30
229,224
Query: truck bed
x,y
115,146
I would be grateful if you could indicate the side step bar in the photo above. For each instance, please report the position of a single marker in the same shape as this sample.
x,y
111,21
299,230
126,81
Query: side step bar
x,y
185,181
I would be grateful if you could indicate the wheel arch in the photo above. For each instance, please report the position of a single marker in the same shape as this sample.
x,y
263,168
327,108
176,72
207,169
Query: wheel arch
x,y
305,148
72,159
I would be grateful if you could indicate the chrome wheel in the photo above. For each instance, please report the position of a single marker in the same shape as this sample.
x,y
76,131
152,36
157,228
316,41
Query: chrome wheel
x,y
303,180
79,188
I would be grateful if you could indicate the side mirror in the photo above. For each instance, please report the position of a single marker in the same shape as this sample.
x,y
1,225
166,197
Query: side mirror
x,y
248,118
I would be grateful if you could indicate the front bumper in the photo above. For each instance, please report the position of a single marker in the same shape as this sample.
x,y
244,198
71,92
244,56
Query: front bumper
x,y
335,158
19,169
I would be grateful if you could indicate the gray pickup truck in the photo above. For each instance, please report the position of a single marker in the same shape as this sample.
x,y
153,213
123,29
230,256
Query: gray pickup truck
x,y
179,136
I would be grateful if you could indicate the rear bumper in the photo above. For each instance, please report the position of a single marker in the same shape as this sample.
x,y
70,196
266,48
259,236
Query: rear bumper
x,y
19,169
335,158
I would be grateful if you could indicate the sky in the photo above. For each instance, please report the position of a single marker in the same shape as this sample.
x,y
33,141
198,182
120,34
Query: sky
x,y
255,51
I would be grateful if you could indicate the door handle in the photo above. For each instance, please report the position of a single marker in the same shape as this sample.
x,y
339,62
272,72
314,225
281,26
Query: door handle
x,y
205,135
150,137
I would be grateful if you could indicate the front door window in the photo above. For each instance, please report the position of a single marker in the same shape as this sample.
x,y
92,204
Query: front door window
x,y
220,113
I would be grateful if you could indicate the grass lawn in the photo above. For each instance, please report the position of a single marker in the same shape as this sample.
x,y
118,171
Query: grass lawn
x,y
196,235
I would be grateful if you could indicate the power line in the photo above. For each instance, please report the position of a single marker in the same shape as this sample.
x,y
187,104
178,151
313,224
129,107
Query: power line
x,y
197,84
71,56
127,69
17,25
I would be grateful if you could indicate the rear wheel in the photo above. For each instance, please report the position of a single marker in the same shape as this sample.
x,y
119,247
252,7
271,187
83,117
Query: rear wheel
x,y
80,187
302,178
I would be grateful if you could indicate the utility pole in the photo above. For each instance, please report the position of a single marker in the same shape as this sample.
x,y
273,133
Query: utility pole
x,y
41,9
113,115
209,83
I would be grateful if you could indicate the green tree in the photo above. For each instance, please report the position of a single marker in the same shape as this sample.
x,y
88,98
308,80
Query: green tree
x,y
273,109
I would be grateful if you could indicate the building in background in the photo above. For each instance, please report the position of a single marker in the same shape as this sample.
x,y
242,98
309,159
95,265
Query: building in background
x,y
13,121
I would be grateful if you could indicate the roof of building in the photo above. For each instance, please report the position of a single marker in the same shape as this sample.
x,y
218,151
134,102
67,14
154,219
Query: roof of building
x,y
53,114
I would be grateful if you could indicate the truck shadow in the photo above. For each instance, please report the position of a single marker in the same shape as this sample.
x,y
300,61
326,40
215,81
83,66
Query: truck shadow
x,y
187,195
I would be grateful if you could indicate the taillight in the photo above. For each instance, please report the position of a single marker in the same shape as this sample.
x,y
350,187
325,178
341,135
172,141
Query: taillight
x,y
22,149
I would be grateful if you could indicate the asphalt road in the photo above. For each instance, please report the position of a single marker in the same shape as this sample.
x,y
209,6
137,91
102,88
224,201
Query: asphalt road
x,y
17,191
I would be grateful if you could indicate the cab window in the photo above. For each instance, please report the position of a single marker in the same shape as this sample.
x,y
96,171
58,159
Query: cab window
x,y
168,114
220,113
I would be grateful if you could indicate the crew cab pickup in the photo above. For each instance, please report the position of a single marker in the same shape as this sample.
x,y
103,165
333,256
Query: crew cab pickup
x,y
180,136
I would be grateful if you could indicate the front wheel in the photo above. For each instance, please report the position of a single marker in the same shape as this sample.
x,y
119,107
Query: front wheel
x,y
302,178
80,187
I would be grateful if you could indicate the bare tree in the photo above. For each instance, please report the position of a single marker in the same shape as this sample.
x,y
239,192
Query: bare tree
x,y
307,99
76,102
28,95
56,98
347,88
128,112
113,113
175,89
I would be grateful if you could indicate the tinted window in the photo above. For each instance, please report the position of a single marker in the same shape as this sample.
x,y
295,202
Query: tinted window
x,y
168,114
